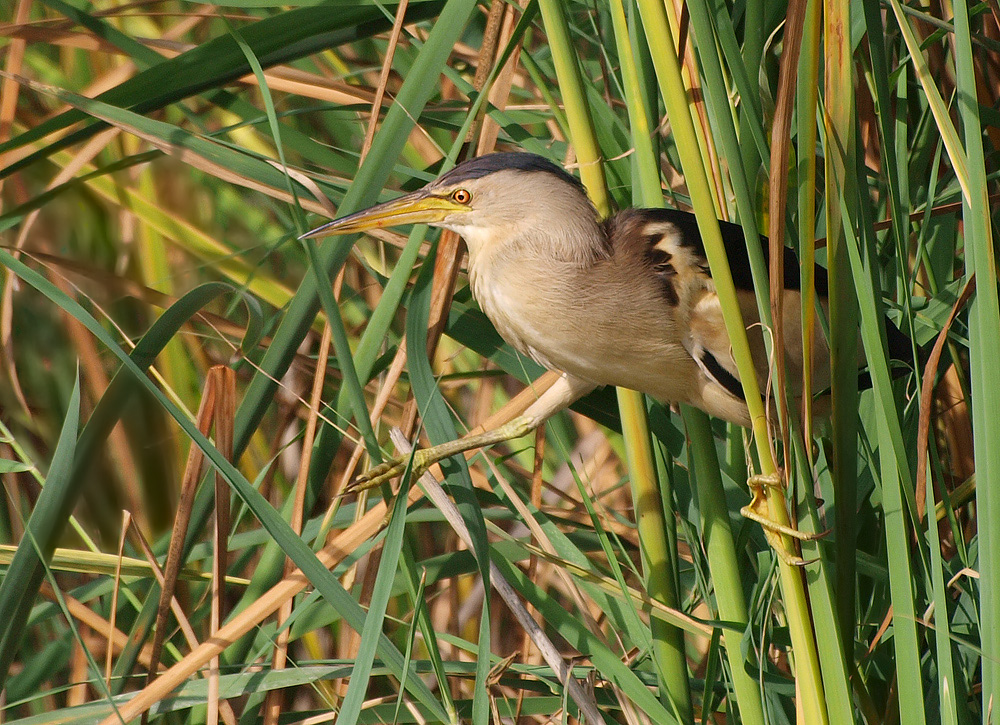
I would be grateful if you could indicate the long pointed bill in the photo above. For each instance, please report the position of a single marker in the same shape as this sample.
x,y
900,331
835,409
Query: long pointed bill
x,y
418,207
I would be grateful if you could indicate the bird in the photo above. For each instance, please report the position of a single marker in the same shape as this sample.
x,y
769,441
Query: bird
x,y
627,301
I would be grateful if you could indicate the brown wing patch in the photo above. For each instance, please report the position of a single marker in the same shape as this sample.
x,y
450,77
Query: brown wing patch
x,y
680,270
662,263
668,246
687,262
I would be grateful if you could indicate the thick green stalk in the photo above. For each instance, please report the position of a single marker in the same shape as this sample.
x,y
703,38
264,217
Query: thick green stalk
x,y
658,556
723,560
581,129
812,700
827,593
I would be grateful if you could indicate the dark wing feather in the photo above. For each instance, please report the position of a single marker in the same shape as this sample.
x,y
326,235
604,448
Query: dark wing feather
x,y
714,369
900,347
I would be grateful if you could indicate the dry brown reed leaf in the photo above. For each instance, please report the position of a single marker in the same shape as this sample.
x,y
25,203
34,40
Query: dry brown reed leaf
x,y
927,398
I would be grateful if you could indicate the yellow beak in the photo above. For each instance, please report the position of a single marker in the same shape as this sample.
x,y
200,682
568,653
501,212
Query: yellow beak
x,y
418,207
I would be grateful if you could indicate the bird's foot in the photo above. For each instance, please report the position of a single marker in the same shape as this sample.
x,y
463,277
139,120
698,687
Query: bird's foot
x,y
757,510
424,458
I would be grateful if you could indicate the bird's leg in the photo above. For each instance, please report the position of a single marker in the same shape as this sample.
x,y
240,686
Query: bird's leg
x,y
424,458
757,510
564,391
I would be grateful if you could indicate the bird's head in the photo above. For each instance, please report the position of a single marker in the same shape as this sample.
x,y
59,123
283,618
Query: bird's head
x,y
488,200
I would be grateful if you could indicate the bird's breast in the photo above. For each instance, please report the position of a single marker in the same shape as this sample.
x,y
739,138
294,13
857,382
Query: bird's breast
x,y
597,324
514,310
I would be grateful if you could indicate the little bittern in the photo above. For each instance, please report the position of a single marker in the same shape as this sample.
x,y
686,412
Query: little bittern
x,y
626,301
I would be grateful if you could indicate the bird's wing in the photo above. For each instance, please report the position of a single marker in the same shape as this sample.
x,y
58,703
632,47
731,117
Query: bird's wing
x,y
669,247
673,250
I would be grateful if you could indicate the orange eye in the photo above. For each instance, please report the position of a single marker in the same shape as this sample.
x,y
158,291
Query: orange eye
x,y
461,196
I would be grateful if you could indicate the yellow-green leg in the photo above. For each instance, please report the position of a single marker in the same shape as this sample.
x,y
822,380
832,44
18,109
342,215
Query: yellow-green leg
x,y
424,458
563,392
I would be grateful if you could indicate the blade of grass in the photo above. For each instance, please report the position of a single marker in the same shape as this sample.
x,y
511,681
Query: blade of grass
x,y
275,40
839,150
941,602
48,518
440,429
896,479
350,707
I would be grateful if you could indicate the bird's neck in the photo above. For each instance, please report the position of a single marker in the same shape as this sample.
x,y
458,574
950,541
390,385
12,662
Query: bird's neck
x,y
579,241
543,265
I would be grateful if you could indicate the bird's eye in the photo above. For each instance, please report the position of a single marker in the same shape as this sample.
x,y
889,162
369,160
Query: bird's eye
x,y
462,196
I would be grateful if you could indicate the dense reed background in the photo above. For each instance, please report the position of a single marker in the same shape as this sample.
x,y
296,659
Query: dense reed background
x,y
158,161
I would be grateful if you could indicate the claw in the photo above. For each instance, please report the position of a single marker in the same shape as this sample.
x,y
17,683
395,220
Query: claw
x,y
757,510
385,472
378,475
